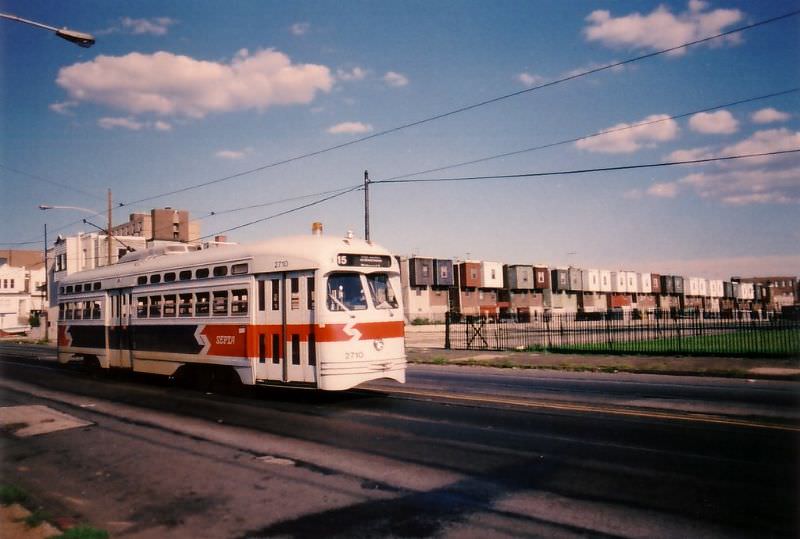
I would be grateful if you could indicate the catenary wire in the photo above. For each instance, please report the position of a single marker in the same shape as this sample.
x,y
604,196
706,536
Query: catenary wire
x,y
593,135
286,212
472,106
588,170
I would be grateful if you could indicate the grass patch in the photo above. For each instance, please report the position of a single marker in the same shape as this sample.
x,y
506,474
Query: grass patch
x,y
36,518
9,494
83,532
771,342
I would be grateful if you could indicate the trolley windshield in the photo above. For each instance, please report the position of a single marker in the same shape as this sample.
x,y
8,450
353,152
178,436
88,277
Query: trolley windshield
x,y
346,291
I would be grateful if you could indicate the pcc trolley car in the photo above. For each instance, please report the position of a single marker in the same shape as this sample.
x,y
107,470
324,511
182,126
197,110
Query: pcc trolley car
x,y
311,310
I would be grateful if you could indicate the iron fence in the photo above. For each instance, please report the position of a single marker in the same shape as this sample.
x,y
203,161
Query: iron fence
x,y
737,333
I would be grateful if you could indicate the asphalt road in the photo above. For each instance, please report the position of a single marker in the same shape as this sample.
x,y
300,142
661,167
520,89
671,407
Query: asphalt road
x,y
456,452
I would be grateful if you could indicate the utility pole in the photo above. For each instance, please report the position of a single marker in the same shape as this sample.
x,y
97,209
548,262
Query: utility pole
x,y
366,205
108,228
44,317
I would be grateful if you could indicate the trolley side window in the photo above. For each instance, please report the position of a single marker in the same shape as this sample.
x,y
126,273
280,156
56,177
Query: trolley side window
x,y
220,303
201,304
185,305
345,292
381,291
155,306
96,310
169,305
239,302
141,307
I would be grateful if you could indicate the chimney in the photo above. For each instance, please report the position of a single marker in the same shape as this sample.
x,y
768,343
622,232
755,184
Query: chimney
x,y
220,239
316,228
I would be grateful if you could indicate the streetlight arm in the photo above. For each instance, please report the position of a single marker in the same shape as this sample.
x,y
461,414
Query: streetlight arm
x,y
51,207
79,38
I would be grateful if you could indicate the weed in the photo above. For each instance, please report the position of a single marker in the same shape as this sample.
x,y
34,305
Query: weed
x,y
10,494
83,532
36,518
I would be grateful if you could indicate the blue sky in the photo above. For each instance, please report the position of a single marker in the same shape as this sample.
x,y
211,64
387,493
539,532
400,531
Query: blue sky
x,y
175,94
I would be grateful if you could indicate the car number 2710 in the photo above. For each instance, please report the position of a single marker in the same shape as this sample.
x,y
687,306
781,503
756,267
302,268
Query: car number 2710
x,y
354,355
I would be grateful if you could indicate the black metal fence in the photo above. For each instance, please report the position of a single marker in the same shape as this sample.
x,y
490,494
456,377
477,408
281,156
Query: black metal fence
x,y
737,333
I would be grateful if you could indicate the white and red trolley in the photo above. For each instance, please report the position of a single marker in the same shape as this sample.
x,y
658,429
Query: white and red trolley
x,y
309,310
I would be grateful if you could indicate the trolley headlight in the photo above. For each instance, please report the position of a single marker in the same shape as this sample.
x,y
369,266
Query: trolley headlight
x,y
378,344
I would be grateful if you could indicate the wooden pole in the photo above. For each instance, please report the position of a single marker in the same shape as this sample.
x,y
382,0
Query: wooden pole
x,y
108,228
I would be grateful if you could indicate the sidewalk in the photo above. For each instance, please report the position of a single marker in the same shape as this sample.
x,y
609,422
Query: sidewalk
x,y
770,369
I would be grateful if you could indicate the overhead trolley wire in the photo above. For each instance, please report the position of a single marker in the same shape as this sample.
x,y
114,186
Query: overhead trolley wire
x,y
337,194
593,135
472,106
586,170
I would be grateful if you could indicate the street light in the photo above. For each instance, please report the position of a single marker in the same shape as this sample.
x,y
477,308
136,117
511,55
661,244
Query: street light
x,y
79,38
51,207
78,208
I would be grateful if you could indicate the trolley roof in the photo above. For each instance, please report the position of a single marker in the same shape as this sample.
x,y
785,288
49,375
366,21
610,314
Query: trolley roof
x,y
299,252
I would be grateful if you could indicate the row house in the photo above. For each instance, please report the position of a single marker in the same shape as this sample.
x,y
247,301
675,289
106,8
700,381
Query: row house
x,y
22,278
426,285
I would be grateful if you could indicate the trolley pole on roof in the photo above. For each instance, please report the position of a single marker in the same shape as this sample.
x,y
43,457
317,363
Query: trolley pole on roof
x,y
366,205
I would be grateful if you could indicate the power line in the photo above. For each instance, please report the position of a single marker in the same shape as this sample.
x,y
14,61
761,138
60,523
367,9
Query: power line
x,y
286,212
471,107
271,203
593,135
588,170
47,180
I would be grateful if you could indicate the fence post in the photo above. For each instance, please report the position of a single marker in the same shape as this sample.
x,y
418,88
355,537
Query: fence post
x,y
447,331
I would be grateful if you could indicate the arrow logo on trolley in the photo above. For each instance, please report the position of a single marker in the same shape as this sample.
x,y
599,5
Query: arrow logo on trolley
x,y
351,331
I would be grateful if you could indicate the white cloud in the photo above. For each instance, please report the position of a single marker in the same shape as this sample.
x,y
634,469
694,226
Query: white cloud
x,y
160,125
721,122
167,84
124,123
663,190
349,128
691,155
64,107
353,75
769,140
757,180
233,154
299,28
660,29
529,80
394,79
157,26
769,115
132,124
619,139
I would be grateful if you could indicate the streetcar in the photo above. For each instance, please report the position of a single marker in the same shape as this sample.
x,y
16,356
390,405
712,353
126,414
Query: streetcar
x,y
314,311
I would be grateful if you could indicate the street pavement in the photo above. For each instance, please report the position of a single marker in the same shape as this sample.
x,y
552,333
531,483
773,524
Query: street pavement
x,y
458,451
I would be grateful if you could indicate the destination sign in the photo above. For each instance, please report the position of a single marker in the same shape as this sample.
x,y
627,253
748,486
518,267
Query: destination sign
x,y
364,261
